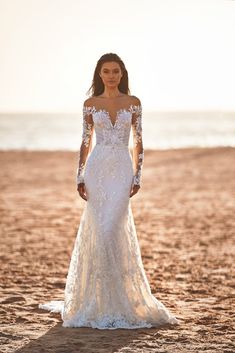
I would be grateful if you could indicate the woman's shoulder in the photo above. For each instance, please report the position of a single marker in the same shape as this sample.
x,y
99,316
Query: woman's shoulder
x,y
135,100
89,102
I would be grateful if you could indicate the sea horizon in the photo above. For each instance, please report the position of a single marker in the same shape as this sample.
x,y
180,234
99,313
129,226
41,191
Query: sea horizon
x,y
163,129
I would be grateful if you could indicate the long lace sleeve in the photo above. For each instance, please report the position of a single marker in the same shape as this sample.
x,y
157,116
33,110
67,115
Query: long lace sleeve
x,y
138,150
86,142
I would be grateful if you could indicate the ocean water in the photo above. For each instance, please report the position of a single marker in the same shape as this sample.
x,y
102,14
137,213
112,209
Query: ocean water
x,y
161,130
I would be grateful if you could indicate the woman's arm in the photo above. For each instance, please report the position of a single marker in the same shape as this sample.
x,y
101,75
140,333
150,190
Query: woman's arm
x,y
88,127
138,150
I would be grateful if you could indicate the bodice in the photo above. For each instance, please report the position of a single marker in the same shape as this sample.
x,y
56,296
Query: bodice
x,y
112,133
107,132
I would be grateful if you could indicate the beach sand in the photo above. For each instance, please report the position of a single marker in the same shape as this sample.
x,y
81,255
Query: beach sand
x,y
185,219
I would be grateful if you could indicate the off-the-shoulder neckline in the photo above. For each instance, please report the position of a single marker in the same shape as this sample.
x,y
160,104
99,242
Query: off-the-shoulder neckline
x,y
130,109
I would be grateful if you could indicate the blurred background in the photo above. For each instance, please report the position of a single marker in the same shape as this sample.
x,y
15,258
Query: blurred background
x,y
180,58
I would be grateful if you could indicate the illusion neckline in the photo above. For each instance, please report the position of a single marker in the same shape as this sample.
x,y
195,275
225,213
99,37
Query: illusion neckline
x,y
123,95
121,110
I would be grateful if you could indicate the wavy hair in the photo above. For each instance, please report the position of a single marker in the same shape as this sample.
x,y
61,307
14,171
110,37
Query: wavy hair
x,y
97,86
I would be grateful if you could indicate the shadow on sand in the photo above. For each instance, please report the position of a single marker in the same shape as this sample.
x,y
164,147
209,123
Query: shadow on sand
x,y
85,340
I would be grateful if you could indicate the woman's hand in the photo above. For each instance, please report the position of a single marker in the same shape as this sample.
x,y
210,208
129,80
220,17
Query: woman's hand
x,y
135,188
82,191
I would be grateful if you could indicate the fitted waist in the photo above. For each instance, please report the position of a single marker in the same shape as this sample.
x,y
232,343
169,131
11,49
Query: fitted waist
x,y
113,146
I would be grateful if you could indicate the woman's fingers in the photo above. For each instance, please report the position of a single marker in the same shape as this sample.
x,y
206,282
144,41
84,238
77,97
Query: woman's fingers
x,y
134,190
82,191
83,196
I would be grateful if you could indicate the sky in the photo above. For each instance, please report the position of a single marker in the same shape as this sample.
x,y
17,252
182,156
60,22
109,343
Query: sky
x,y
179,54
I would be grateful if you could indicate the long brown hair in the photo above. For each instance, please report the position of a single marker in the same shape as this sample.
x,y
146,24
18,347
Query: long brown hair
x,y
97,86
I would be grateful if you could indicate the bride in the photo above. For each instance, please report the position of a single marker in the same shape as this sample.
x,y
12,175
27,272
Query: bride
x,y
106,286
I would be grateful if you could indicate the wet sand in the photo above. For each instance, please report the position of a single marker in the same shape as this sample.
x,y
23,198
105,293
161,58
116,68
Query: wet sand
x,y
185,220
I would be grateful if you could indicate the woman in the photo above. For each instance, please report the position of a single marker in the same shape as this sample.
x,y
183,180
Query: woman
x,y
106,286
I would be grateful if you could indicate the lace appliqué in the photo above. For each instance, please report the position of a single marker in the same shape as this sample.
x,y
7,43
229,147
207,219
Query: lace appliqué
x,y
137,176
87,126
138,151
106,285
87,131
114,134
137,124
80,173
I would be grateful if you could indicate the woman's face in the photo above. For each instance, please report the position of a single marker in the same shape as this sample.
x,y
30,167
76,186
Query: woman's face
x,y
111,74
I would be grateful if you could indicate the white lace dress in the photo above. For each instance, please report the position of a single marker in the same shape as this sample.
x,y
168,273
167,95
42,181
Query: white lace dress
x,y
106,286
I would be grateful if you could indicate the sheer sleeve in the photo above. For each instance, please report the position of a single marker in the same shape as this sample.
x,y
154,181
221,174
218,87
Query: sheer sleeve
x,y
138,150
86,145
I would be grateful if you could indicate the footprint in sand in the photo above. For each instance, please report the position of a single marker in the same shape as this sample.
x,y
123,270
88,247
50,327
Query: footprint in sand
x,y
13,299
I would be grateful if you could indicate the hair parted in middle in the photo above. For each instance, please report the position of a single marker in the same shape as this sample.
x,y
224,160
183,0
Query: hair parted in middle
x,y
97,86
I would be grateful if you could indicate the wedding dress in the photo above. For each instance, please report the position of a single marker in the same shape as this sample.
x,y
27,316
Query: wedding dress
x,y
106,286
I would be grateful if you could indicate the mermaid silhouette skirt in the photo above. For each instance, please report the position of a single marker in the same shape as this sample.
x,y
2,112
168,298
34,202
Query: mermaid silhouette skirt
x,y
106,286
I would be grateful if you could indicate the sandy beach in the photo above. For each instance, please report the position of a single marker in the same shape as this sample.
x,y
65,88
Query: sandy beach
x,y
184,216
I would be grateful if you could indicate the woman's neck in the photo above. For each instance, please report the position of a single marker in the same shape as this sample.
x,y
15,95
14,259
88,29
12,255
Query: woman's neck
x,y
111,93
